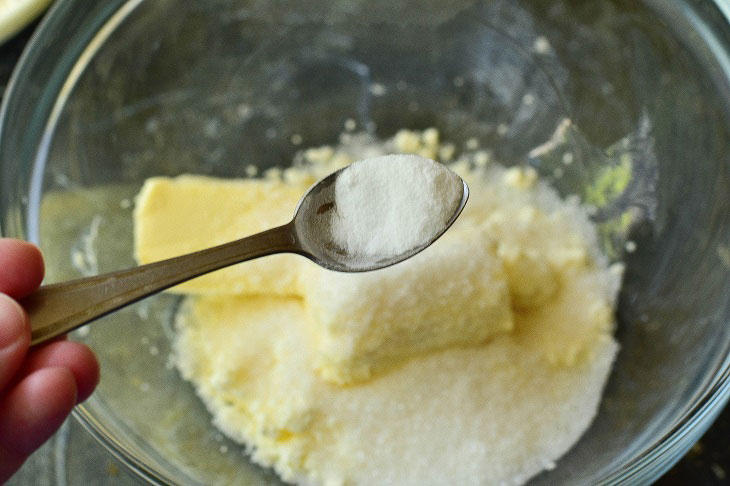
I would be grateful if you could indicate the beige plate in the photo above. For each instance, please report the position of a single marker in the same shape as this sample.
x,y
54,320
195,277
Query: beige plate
x,y
16,14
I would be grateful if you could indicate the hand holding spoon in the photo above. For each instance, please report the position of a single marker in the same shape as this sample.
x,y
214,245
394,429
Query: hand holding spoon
x,y
59,308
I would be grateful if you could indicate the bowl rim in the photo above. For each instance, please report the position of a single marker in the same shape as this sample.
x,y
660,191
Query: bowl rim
x,y
646,465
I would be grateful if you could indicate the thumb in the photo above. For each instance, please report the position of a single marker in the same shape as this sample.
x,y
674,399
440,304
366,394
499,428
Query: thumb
x,y
14,339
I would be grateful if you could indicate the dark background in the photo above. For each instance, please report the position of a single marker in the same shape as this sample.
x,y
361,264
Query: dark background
x,y
706,464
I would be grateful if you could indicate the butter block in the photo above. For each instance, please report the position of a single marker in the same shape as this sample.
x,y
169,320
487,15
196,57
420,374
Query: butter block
x,y
174,216
454,293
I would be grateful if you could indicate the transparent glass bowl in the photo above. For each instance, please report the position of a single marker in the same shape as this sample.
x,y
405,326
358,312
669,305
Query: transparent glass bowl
x,y
111,92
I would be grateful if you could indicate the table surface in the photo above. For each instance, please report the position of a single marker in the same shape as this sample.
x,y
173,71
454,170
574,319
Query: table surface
x,y
72,456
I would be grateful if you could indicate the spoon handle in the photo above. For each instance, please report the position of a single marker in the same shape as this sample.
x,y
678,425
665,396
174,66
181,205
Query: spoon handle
x,y
59,308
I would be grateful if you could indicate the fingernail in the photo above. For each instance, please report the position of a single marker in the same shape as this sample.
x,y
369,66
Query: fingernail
x,y
12,322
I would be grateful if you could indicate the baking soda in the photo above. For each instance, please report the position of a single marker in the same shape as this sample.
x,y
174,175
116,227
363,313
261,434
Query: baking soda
x,y
389,205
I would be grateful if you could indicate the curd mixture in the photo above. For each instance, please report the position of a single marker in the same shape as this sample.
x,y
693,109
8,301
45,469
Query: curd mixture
x,y
480,360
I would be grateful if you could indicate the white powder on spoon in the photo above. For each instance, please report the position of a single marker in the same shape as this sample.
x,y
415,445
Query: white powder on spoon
x,y
388,205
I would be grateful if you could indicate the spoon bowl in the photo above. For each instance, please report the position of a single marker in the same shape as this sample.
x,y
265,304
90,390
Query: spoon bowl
x,y
312,220
59,308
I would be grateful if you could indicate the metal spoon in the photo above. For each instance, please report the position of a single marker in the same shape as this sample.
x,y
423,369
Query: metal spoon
x,y
59,308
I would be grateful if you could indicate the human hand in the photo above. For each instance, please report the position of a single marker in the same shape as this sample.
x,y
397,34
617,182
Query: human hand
x,y
38,386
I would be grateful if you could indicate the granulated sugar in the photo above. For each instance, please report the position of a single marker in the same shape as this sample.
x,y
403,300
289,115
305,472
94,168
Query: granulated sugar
x,y
388,205
488,415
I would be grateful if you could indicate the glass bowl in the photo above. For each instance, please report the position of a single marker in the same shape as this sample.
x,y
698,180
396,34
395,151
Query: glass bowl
x,y
111,92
